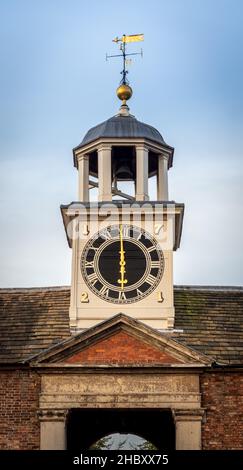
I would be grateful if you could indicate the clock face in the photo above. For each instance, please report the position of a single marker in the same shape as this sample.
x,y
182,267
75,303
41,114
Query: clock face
x,y
122,264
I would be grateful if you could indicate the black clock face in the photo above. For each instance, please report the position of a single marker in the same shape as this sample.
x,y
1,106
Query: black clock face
x,y
122,264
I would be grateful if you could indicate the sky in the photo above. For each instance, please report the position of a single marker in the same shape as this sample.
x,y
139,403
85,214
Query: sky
x,y
55,84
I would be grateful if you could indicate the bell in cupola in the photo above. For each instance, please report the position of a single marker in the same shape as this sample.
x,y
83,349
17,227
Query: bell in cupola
x,y
123,163
123,173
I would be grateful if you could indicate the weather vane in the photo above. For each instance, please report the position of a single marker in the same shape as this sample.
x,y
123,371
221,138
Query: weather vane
x,y
123,41
124,91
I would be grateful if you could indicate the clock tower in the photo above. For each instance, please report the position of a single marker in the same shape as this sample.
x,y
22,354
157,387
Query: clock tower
x,y
122,243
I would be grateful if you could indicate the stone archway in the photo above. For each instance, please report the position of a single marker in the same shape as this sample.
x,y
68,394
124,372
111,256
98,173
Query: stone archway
x,y
154,425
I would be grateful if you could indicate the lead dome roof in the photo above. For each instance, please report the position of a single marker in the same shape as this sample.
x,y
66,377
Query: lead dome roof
x,y
122,126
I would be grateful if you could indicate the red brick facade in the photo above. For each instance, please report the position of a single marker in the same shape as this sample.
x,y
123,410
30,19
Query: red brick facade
x,y
222,396
19,401
121,348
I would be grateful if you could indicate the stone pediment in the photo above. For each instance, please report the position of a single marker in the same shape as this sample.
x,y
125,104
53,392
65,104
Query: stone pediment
x,y
121,341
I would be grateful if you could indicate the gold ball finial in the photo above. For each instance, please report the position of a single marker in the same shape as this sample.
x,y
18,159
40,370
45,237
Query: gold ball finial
x,y
124,92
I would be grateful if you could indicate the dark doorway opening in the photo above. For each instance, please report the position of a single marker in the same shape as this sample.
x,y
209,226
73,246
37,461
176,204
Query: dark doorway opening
x,y
86,427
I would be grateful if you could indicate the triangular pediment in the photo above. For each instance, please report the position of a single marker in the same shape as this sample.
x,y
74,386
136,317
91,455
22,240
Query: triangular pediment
x,y
121,341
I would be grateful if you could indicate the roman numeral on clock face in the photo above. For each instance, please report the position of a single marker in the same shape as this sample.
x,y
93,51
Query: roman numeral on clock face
x,y
104,291
151,248
106,234
125,231
89,264
92,278
155,264
122,296
150,279
137,235
95,248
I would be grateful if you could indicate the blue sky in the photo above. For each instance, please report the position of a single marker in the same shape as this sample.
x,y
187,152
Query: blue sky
x,y
55,84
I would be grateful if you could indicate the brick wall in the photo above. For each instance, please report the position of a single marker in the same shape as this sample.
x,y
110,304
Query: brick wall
x,y
19,424
121,348
222,396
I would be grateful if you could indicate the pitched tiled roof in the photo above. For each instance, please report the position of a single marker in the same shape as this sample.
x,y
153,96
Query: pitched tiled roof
x,y
212,320
208,319
32,320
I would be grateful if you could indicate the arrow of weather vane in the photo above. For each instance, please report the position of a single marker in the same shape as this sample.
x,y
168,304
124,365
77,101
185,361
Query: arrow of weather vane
x,y
123,41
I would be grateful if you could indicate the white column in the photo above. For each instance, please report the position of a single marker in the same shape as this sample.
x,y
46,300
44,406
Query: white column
x,y
104,173
74,281
53,429
188,425
83,172
162,179
141,173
